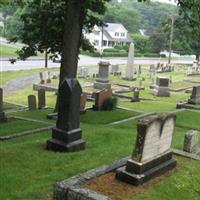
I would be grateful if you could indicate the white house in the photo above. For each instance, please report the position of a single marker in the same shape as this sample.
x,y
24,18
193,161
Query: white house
x,y
113,34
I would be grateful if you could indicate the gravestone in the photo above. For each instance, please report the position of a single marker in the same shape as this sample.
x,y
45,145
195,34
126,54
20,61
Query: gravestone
x,y
41,99
114,69
152,68
195,97
102,81
32,102
130,70
67,136
41,78
161,88
139,69
136,94
2,114
152,155
191,141
83,100
48,77
83,72
100,97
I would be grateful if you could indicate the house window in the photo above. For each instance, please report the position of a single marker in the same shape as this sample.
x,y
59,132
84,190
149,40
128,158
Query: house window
x,y
122,34
97,32
104,43
116,33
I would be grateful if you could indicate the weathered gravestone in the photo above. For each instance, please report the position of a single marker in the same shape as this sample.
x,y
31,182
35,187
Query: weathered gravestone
x,y
48,77
41,99
195,97
191,141
67,136
83,100
83,72
32,102
102,82
114,69
41,78
136,94
152,155
100,98
161,88
2,114
130,69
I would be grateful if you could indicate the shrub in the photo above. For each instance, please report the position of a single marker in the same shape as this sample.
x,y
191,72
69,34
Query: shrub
x,y
110,104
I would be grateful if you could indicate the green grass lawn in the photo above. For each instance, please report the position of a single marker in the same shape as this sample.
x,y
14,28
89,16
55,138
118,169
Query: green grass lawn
x,y
8,51
16,126
28,171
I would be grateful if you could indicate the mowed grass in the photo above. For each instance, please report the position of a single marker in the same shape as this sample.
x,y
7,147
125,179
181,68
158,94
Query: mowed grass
x,y
28,170
6,50
17,126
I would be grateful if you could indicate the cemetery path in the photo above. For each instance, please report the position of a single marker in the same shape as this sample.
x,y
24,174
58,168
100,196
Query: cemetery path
x,y
20,83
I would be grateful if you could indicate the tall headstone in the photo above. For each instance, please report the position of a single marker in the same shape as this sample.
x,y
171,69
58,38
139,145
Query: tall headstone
x,y
67,136
32,102
195,97
41,99
102,81
152,154
161,88
41,78
2,114
130,70
48,77
191,141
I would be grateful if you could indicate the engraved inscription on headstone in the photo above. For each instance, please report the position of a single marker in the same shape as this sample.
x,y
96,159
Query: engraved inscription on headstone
x,y
152,153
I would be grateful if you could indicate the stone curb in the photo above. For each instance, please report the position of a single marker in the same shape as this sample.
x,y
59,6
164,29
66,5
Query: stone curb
x,y
29,132
186,154
73,189
132,118
131,110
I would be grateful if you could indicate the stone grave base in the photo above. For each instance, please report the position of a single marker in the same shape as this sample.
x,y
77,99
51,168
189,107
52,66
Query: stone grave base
x,y
194,101
187,106
66,141
136,173
129,79
161,91
52,116
102,85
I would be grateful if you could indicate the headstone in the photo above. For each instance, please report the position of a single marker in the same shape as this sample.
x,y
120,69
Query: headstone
x,y
130,70
41,99
100,97
83,72
191,141
48,77
32,102
195,97
67,136
152,154
102,82
41,78
152,68
136,94
139,69
114,69
83,100
161,88
2,114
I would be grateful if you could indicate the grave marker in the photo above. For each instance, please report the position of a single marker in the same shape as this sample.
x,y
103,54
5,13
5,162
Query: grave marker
x,y
152,154
32,102
41,99
67,136
2,114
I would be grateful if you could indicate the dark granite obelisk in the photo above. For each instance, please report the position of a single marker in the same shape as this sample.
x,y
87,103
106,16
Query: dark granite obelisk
x,y
67,136
2,114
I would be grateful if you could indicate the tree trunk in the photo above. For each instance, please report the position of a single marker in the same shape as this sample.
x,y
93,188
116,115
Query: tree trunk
x,y
74,18
71,40
198,57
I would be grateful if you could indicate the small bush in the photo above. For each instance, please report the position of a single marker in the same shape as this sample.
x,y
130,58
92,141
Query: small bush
x,y
110,104
112,50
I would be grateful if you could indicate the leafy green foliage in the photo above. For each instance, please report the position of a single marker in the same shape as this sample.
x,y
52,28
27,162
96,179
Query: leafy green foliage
x,y
110,104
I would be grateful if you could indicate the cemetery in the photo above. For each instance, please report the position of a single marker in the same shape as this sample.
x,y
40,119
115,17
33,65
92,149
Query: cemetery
x,y
106,128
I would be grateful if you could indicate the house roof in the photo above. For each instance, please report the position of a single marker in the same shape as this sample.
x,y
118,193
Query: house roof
x,y
114,26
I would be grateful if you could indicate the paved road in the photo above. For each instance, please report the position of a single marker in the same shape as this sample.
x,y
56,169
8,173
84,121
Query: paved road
x,y
34,63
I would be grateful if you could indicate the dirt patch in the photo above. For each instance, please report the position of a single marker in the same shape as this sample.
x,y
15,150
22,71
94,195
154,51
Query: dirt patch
x,y
108,185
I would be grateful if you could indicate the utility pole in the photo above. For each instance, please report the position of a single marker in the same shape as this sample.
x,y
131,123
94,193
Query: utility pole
x,y
102,41
171,38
